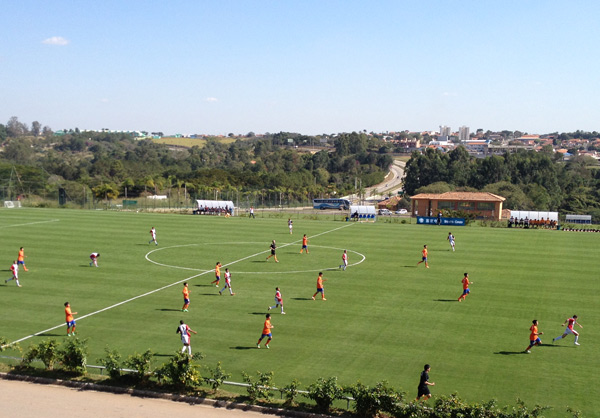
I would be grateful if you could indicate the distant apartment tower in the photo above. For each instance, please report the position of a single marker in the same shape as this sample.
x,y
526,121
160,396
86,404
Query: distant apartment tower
x,y
463,133
445,133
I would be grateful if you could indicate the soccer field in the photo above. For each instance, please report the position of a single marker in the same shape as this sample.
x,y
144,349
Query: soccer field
x,y
384,317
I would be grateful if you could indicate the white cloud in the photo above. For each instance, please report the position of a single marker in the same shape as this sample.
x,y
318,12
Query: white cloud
x,y
211,99
56,40
104,100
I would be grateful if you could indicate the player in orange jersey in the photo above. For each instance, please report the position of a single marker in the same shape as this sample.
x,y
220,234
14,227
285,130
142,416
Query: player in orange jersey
x,y
266,332
70,319
320,288
186,297
424,256
21,258
217,274
466,290
304,244
534,336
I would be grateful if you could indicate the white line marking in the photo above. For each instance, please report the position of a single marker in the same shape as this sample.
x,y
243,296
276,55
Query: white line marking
x,y
30,223
362,258
153,291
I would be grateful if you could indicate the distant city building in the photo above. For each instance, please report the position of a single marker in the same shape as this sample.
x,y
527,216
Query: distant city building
x,y
445,132
463,133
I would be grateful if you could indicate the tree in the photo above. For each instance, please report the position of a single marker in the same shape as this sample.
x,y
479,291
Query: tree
x,y
36,128
16,128
3,133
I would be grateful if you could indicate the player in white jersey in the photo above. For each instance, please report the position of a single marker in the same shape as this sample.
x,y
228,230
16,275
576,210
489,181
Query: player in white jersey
x,y
185,331
153,235
290,225
278,301
451,240
344,260
94,258
569,330
15,273
227,283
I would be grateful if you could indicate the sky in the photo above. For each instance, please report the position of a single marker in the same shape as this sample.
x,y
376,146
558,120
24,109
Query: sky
x,y
312,66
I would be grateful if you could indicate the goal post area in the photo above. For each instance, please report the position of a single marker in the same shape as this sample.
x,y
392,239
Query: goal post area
x,y
11,204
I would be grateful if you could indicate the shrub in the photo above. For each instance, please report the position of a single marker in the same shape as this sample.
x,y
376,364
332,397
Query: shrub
x,y
46,351
112,362
73,355
141,364
370,401
217,377
181,371
290,392
324,392
261,389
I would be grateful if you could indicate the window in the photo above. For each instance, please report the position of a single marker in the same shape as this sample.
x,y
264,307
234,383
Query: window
x,y
466,206
485,206
446,204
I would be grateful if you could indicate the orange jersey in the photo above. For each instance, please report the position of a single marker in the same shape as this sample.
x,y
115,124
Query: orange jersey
x,y
424,252
68,314
21,256
186,293
465,282
534,333
304,241
267,327
218,271
319,282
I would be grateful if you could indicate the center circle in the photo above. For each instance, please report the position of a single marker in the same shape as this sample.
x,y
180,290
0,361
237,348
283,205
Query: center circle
x,y
259,254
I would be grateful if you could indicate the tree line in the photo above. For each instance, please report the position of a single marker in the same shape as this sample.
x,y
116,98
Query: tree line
x,y
112,165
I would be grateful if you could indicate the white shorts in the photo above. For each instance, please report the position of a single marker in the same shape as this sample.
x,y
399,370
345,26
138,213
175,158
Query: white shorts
x,y
277,302
570,331
185,339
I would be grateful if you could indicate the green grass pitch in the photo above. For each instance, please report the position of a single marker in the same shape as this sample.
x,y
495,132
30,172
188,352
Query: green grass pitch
x,y
384,318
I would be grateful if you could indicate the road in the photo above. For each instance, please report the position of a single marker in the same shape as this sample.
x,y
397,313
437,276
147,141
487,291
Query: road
x,y
392,183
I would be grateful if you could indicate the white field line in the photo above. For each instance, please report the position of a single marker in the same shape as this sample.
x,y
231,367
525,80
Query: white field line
x,y
155,290
30,223
361,256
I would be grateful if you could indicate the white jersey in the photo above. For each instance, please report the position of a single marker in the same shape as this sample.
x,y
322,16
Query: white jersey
x,y
15,270
185,333
228,277
278,298
153,233
93,255
451,238
345,258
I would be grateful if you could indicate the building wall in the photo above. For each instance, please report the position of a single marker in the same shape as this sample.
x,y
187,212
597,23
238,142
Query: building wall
x,y
487,210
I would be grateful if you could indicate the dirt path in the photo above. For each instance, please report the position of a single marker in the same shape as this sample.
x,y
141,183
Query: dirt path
x,y
33,400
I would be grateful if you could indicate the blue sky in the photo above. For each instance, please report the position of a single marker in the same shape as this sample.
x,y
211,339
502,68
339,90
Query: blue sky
x,y
312,67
